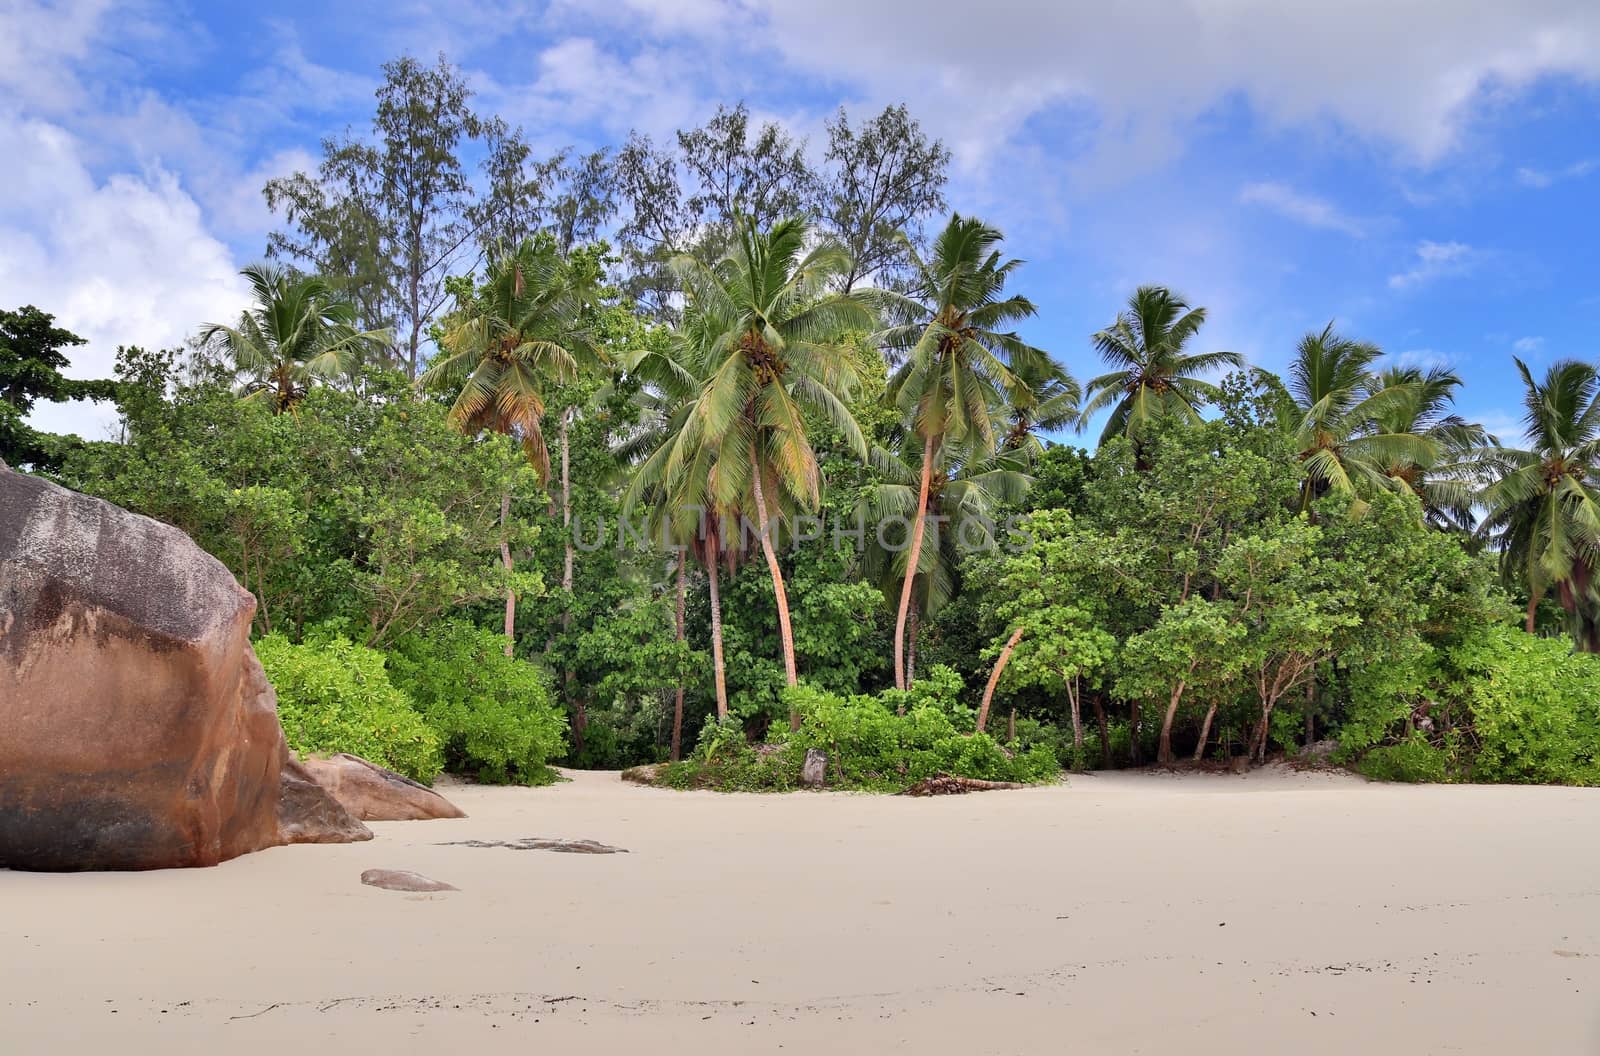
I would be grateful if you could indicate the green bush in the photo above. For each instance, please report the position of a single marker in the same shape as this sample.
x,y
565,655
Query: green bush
x,y
1413,760
869,746
492,714
335,696
1535,708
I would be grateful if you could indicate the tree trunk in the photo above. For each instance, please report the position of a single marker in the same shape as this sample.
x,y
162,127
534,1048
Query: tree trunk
x,y
1533,609
1074,699
1205,733
785,632
913,556
1164,747
1105,731
1135,751
911,650
582,722
1258,742
677,708
566,512
716,636
994,676
505,559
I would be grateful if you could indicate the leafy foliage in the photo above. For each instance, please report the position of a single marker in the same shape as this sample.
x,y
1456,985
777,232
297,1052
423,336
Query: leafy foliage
x,y
335,696
493,715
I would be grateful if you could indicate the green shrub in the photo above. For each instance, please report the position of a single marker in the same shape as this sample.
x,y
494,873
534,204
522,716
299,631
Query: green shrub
x,y
1413,760
869,745
492,714
1535,708
335,696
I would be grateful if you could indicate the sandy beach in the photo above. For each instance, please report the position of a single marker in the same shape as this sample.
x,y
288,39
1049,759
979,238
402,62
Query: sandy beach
x,y
1113,914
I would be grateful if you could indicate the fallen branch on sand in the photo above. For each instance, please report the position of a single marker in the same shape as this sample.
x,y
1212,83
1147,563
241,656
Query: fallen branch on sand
x,y
945,785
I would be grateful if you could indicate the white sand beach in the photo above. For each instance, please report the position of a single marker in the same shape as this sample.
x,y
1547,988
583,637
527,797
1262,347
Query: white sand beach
x,y
1114,914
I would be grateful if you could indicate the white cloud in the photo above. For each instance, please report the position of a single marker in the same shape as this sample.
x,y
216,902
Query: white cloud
x,y
1526,346
1425,64
1542,178
1303,208
1435,260
123,260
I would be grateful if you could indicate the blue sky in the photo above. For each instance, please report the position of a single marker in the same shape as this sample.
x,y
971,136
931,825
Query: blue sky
x,y
1424,172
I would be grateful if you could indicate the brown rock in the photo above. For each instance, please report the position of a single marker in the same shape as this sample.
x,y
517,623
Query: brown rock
x,y
137,730
371,793
814,771
403,880
308,813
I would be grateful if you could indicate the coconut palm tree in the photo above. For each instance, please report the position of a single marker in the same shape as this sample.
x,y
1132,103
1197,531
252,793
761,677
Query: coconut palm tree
x,y
1543,509
1342,446
771,320
505,342
297,333
673,477
1445,486
962,497
1155,376
962,364
1046,398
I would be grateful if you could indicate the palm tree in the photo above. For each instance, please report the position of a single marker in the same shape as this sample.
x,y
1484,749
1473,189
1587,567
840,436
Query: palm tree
x,y
1155,377
962,496
1446,485
1343,447
1543,511
962,365
770,354
1046,398
673,476
506,340
299,332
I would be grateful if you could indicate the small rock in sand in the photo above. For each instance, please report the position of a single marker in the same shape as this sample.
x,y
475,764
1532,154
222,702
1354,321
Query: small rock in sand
x,y
403,880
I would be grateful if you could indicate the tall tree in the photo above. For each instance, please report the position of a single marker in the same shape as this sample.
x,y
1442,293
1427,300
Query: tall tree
x,y
773,354
1444,485
759,175
1341,446
1542,510
962,499
880,180
656,223
297,333
505,343
32,357
674,465
959,368
567,195
1155,377
385,217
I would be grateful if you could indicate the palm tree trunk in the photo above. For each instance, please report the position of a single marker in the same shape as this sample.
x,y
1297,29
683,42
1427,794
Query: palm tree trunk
x,y
582,721
716,634
566,510
505,559
994,676
785,632
677,707
1533,609
911,651
914,555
